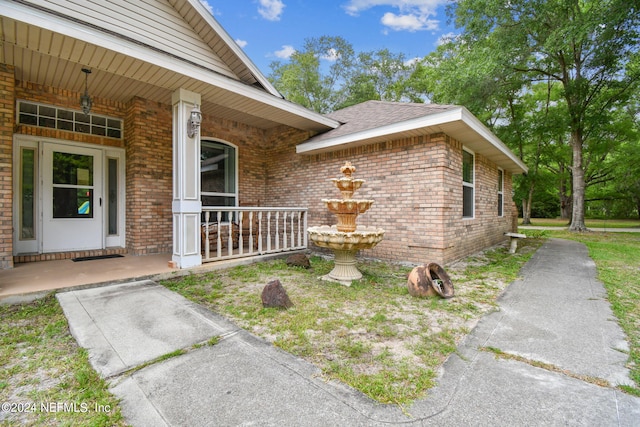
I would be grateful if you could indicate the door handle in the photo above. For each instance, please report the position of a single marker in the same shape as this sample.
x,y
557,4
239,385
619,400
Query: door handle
x,y
100,201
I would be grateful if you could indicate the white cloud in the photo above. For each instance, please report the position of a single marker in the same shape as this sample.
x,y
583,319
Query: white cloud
x,y
413,61
271,9
415,15
446,38
408,22
241,43
206,4
285,52
331,55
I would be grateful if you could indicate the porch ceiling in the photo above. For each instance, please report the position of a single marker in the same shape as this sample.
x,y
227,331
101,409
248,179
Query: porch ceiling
x,y
121,70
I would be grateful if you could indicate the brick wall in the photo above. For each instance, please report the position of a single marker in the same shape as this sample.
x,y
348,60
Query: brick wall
x,y
416,185
148,136
7,102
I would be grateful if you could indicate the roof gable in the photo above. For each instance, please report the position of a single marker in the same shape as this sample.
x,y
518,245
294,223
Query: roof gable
x,y
182,29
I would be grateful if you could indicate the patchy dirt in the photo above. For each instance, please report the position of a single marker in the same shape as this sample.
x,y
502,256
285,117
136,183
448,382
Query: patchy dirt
x,y
373,328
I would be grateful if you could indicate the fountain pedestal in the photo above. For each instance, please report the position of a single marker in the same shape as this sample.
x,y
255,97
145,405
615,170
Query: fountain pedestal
x,y
345,269
346,238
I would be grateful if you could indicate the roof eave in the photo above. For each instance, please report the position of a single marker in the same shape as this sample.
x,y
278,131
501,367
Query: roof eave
x,y
433,123
83,31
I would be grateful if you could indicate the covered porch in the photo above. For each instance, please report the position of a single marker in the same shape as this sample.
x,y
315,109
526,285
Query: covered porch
x,y
141,178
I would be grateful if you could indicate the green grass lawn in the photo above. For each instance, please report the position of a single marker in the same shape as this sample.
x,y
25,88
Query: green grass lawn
x,y
594,223
372,335
45,378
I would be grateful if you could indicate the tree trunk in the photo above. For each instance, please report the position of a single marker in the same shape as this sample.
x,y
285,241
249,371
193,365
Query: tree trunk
x,y
577,216
526,212
565,199
526,207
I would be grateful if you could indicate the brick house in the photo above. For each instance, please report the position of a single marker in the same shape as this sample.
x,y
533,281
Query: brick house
x,y
131,173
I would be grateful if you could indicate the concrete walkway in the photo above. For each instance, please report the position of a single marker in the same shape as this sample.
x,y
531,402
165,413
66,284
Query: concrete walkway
x,y
556,314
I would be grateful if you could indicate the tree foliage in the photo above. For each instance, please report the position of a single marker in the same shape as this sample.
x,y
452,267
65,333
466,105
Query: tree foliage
x,y
326,75
305,81
588,47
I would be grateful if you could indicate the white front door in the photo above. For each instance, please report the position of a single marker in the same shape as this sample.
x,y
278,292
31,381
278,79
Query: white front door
x,y
72,198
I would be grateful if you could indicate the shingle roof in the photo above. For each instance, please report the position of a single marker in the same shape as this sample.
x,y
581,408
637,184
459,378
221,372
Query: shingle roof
x,y
374,114
378,121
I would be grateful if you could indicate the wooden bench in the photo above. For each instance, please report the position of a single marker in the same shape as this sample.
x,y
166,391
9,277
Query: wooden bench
x,y
514,241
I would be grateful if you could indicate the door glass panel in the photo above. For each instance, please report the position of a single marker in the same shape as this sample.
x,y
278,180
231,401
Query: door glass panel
x,y
72,169
72,181
72,202
27,187
112,191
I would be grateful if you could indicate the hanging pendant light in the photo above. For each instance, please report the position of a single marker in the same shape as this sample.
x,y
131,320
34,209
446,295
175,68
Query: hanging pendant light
x,y
85,100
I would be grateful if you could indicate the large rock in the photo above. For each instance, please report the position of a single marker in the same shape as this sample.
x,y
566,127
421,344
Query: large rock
x,y
275,296
298,260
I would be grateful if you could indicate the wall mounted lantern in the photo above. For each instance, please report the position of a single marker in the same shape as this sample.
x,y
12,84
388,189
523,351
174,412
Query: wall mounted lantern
x,y
195,119
85,100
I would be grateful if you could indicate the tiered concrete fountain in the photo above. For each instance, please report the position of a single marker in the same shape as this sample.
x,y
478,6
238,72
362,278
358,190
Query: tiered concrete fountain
x,y
346,238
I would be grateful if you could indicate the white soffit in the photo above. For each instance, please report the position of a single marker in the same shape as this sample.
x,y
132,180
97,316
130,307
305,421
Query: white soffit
x,y
458,123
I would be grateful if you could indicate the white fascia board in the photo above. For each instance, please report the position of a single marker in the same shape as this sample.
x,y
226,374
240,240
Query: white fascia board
x,y
478,127
458,114
395,128
213,23
70,28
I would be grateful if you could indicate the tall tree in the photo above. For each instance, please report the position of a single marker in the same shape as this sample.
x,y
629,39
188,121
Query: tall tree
x,y
326,75
380,75
588,46
313,76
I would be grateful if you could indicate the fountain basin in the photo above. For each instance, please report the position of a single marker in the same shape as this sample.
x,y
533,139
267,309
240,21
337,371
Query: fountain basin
x,y
330,237
347,211
347,185
350,206
345,247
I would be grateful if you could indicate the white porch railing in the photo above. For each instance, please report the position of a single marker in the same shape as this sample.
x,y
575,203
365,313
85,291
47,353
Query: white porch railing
x,y
236,232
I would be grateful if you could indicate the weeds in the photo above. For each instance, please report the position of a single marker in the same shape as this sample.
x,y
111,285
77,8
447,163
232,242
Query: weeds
x,y
43,367
371,335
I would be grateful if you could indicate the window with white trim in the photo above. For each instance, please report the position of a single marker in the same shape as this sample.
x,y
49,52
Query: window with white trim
x,y
218,174
468,185
49,116
500,192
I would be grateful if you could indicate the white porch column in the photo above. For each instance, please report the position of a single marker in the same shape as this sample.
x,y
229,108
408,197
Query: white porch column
x,y
186,206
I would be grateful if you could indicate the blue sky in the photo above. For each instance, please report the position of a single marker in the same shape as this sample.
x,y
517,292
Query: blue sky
x,y
270,30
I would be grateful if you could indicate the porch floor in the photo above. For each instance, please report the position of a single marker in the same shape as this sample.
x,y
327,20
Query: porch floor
x,y
35,277
39,276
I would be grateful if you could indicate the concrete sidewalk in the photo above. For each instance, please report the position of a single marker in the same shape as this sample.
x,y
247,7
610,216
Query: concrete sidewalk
x,y
556,314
